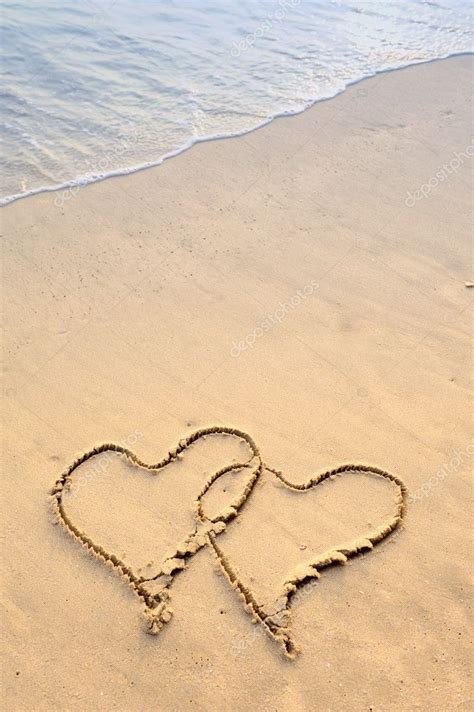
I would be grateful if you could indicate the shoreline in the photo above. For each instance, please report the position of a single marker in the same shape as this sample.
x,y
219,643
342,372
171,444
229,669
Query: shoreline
x,y
278,284
84,181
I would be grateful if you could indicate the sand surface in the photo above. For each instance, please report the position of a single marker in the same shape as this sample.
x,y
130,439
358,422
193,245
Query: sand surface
x,y
284,283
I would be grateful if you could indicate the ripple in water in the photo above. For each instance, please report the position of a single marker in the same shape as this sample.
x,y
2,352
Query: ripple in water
x,y
102,87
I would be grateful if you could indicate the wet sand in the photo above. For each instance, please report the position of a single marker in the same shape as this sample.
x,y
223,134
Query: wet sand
x,y
305,284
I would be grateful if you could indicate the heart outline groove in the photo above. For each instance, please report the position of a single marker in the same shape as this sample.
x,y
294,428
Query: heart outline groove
x,y
275,623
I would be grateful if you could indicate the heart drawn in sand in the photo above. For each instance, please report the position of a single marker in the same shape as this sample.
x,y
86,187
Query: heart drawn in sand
x,y
253,569
155,591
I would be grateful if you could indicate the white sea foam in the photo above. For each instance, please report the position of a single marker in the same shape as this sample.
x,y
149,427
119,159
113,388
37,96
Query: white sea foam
x,y
99,89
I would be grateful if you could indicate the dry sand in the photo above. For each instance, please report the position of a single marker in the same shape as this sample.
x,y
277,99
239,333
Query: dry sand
x,y
125,309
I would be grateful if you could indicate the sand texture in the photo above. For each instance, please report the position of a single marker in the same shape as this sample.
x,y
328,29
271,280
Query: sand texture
x,y
237,416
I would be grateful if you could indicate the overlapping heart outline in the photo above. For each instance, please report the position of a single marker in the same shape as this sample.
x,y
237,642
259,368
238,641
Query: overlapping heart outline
x,y
155,592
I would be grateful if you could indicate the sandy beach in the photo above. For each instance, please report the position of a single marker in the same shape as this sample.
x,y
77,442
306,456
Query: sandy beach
x,y
306,284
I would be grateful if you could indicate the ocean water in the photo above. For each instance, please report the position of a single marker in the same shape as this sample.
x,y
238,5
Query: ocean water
x,y
95,88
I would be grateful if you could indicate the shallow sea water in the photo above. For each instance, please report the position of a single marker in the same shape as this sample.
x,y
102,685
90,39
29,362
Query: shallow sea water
x,y
92,89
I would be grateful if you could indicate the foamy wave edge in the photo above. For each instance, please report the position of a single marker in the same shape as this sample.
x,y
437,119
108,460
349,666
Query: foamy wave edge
x,y
83,181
